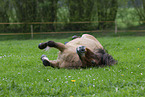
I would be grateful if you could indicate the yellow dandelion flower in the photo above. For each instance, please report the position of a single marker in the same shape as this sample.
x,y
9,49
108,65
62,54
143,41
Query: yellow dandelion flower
x,y
122,74
73,80
138,48
71,96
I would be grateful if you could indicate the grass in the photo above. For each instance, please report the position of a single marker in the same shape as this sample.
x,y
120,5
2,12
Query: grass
x,y
22,73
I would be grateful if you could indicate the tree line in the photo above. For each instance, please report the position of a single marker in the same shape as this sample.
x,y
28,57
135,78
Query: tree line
x,y
66,11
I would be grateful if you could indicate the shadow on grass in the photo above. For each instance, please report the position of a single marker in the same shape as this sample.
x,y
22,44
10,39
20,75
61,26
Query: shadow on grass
x,y
66,35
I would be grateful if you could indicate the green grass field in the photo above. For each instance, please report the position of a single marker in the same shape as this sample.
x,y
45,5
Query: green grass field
x,y
22,73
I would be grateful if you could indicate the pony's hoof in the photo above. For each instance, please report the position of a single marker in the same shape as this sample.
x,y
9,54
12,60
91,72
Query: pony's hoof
x,y
42,45
45,60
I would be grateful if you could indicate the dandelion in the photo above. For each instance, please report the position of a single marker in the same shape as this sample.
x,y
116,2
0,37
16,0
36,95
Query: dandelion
x,y
73,81
138,48
122,74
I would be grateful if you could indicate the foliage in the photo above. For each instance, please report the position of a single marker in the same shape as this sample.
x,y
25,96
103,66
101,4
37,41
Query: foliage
x,y
140,8
126,18
107,11
80,11
22,73
71,14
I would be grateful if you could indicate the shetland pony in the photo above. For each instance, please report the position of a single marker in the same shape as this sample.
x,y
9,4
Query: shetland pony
x,y
81,52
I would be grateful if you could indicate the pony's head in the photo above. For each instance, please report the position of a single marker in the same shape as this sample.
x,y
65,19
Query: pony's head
x,y
99,58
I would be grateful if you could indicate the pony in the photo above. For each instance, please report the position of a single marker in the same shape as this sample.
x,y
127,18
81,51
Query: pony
x,y
81,52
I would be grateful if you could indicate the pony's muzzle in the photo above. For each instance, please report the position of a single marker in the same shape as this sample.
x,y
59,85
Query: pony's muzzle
x,y
81,50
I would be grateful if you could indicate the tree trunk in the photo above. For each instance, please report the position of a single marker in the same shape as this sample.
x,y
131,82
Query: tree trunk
x,y
79,11
107,11
26,11
140,9
4,18
48,13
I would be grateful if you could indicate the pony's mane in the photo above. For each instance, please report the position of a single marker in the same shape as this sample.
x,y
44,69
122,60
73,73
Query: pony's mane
x,y
106,59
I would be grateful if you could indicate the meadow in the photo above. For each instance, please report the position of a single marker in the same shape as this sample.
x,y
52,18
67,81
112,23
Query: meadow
x,y
22,73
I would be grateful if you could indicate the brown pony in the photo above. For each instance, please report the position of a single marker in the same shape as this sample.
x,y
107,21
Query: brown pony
x,y
81,52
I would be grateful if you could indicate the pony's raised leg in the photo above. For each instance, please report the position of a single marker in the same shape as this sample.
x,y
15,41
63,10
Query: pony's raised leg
x,y
57,45
47,62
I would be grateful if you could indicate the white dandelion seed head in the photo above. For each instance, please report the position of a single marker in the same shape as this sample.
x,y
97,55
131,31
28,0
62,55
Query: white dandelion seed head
x,y
66,82
116,89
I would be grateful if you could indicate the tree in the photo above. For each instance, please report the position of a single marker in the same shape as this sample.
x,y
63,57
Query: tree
x,y
3,14
79,11
48,13
36,11
106,11
139,6
26,11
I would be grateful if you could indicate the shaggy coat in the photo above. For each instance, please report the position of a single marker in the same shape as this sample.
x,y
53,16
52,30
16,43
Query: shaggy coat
x,y
81,52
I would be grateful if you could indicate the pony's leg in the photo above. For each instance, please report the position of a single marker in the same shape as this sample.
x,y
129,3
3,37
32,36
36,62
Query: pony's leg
x,y
57,45
47,62
75,36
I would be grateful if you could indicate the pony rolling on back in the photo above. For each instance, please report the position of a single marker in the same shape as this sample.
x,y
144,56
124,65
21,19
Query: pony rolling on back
x,y
81,52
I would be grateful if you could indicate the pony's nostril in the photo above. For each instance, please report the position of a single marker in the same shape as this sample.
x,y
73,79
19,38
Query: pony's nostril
x,y
83,50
